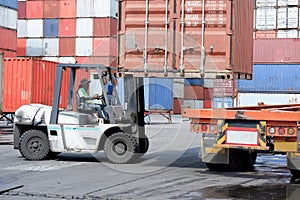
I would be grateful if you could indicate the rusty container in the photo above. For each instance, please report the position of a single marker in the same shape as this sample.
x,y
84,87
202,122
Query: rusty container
x,y
172,38
27,80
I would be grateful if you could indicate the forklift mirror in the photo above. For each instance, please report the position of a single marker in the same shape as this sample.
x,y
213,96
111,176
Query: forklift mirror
x,y
96,76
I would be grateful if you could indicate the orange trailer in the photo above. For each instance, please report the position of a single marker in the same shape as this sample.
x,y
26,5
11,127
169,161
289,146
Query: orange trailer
x,y
232,137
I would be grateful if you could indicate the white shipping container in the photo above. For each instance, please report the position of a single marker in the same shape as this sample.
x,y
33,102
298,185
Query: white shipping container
x,y
35,28
34,47
22,29
105,8
193,104
292,2
287,34
84,46
8,18
265,18
84,27
50,47
67,60
84,8
53,59
282,18
252,99
292,17
265,3
178,88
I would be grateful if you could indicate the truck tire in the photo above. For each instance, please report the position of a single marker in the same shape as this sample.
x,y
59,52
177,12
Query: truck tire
x,y
34,145
143,147
120,148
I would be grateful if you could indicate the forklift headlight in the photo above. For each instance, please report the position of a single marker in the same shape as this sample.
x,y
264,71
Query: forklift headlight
x,y
281,131
291,131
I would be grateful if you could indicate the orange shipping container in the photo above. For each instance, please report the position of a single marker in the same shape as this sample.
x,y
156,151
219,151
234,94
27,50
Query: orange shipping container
x,y
105,27
104,47
66,46
193,92
67,9
51,9
67,27
172,35
26,81
34,9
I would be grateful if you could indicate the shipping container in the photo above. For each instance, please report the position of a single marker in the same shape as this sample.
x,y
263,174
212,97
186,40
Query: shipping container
x,y
265,34
105,27
50,27
34,47
178,91
8,40
252,99
84,46
34,9
193,104
84,27
84,8
67,9
194,92
105,60
50,47
226,102
158,93
8,18
66,46
276,51
177,105
270,78
21,47
51,9
35,28
21,9
22,81
224,88
176,26
207,103
105,47
208,93
9,4
105,8
8,54
194,81
22,29
293,33
67,60
265,18
266,3
67,27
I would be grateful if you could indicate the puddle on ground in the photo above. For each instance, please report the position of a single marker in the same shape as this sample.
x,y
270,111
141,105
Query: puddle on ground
x,y
273,192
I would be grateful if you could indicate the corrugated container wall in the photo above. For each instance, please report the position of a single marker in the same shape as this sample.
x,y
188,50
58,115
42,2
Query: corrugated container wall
x,y
177,29
158,94
68,30
22,81
270,78
278,51
8,27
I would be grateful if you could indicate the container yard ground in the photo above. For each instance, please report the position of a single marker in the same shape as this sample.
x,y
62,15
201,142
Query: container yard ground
x,y
170,170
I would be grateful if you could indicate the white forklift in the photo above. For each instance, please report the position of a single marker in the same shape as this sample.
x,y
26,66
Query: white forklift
x,y
42,131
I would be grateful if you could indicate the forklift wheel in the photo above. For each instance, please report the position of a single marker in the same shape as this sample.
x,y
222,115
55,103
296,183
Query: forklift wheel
x,y
120,147
34,145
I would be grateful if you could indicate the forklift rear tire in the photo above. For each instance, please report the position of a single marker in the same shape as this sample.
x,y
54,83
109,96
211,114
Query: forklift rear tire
x,y
34,145
120,148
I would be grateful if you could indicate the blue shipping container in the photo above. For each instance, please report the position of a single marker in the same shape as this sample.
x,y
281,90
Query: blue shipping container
x,y
50,27
158,94
10,4
226,102
194,81
278,78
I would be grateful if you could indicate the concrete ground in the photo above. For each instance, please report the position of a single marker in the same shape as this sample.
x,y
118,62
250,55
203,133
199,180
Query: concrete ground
x,y
171,169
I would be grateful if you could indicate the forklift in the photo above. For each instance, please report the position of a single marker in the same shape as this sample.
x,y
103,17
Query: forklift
x,y
41,131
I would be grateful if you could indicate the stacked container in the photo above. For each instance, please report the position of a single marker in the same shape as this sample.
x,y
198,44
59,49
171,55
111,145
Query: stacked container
x,y
68,31
277,19
8,27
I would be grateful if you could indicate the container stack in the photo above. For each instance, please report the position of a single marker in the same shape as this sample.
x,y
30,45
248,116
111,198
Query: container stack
x,y
68,31
8,27
277,19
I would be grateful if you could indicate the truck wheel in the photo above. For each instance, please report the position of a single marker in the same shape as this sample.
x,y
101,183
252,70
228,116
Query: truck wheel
x,y
34,145
120,147
143,147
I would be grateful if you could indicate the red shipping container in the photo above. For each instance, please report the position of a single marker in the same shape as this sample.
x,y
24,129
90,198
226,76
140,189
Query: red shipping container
x,y
34,9
177,104
105,60
67,27
224,88
276,51
26,81
207,104
105,47
8,39
21,9
67,9
51,9
105,27
208,93
21,47
8,54
193,92
66,46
